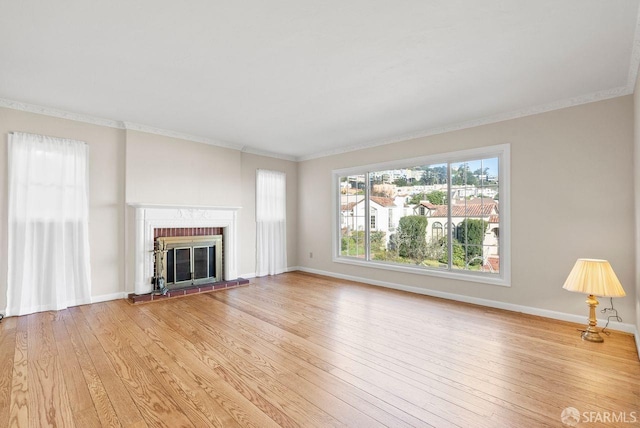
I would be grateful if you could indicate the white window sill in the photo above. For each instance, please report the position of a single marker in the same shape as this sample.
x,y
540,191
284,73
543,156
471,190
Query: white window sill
x,y
502,280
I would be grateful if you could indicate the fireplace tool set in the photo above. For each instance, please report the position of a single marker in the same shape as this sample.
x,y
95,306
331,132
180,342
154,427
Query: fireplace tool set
x,y
160,282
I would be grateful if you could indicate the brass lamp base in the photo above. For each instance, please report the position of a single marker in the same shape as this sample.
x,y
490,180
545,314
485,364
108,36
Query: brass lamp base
x,y
591,334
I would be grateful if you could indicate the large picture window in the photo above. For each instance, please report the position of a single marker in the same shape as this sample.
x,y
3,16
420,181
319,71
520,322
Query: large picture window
x,y
438,215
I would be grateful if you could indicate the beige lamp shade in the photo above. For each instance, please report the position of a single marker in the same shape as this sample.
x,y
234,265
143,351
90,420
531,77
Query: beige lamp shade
x,y
592,276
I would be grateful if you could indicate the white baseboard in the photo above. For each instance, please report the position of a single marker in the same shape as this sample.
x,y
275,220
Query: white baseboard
x,y
107,297
253,274
637,336
92,299
580,319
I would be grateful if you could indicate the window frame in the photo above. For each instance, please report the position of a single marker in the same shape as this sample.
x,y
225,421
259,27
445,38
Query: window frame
x,y
501,151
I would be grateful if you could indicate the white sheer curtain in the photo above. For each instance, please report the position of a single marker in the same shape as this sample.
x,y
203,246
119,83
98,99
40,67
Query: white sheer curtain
x,y
48,259
271,208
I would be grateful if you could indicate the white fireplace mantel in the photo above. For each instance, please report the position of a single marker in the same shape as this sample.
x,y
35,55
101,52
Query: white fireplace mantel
x,y
150,217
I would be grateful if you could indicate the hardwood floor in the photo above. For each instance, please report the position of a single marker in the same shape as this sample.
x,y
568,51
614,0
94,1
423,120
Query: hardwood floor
x,y
308,351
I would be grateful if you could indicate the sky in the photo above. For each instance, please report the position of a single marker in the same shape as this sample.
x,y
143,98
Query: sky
x,y
491,163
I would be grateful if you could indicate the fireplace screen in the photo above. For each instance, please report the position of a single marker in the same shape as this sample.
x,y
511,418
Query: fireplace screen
x,y
189,260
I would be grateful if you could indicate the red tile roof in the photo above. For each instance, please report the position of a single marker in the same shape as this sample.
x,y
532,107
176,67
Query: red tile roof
x,y
348,207
483,200
382,201
428,205
494,219
473,210
492,264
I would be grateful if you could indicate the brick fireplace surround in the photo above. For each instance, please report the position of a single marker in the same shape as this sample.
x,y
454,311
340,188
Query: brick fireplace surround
x,y
186,231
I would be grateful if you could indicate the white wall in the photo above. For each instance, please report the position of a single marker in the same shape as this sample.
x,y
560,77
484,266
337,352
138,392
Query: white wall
x,y
572,183
163,170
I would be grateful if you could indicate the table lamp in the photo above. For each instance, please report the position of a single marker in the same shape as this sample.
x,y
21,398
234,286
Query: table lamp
x,y
595,278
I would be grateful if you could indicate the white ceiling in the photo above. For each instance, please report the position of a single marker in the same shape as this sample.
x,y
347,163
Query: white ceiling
x,y
301,79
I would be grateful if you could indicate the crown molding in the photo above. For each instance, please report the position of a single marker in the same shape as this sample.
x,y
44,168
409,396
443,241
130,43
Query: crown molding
x,y
62,114
130,126
109,123
253,151
556,105
529,111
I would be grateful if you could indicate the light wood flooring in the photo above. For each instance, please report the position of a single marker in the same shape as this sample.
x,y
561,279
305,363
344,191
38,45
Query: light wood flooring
x,y
308,351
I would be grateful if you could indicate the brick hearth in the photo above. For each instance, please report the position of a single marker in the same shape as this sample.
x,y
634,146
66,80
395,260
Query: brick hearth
x,y
185,291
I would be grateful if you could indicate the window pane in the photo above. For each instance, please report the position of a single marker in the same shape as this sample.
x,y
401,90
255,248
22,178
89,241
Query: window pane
x,y
352,216
403,201
381,204
476,213
437,231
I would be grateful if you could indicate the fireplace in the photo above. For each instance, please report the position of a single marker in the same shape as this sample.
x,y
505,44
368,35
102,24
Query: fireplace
x,y
187,224
183,261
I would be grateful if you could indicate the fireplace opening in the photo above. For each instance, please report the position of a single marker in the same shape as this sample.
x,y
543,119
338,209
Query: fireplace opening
x,y
183,261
